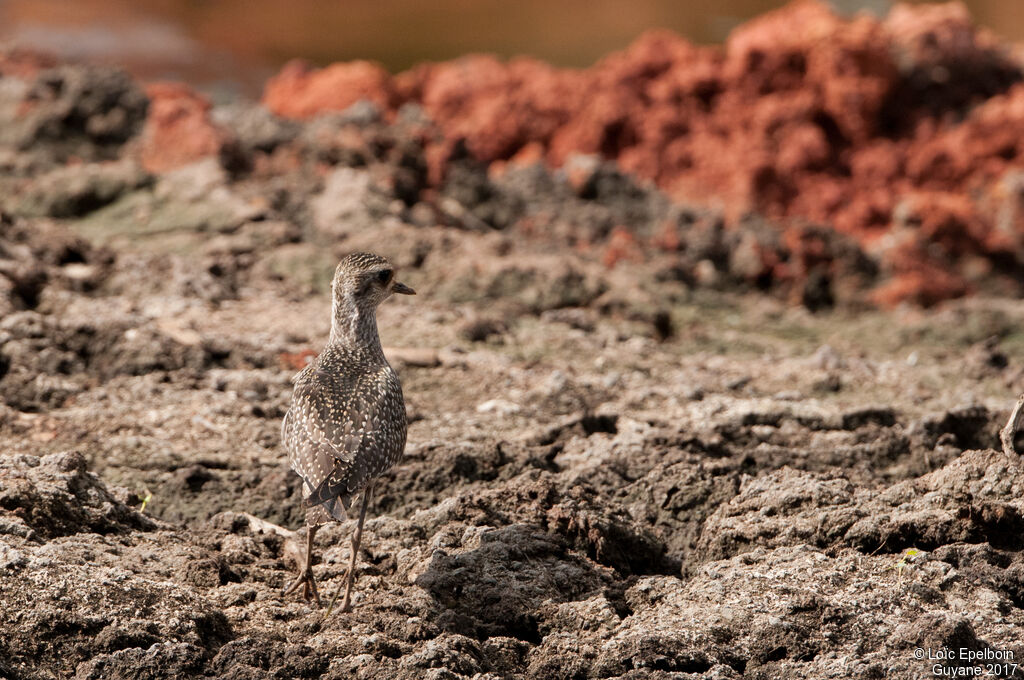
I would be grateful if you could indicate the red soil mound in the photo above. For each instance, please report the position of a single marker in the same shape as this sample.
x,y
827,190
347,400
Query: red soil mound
x,y
899,132
178,128
299,92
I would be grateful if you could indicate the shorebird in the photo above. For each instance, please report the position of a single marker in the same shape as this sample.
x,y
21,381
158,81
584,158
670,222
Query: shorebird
x,y
346,424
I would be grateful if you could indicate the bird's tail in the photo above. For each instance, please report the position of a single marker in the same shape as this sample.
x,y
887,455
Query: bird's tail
x,y
325,513
327,491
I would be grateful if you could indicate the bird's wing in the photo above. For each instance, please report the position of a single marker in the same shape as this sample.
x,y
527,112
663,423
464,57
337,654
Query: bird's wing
x,y
328,427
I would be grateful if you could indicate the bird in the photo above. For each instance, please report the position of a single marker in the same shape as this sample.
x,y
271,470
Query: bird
x,y
346,424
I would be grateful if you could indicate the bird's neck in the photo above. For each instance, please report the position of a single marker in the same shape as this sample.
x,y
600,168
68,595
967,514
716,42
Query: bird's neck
x,y
354,326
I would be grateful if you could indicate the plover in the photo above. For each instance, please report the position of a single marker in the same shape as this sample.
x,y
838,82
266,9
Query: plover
x,y
346,424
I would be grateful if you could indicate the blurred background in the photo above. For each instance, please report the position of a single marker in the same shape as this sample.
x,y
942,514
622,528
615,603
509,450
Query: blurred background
x,y
234,45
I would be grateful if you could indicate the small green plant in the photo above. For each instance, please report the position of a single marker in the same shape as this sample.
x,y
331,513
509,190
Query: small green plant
x,y
145,500
904,562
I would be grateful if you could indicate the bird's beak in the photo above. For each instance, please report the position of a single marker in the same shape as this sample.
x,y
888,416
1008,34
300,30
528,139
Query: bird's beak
x,y
402,289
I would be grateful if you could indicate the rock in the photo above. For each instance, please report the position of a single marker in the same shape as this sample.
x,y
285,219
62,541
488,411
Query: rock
x,y
345,203
929,513
473,201
260,655
501,407
10,558
75,190
791,508
181,660
515,565
455,653
193,198
55,496
87,112
254,128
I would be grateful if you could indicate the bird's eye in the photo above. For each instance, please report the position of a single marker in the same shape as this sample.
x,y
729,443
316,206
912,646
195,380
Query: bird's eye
x,y
384,276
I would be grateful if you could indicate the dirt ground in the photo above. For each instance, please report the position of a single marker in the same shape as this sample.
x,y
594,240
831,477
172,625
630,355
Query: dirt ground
x,y
636,468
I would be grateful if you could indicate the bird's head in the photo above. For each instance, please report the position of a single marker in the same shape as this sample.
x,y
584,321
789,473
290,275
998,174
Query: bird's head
x,y
365,280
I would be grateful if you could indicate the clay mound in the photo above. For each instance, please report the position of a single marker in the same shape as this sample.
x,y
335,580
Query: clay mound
x,y
178,129
69,112
55,496
901,126
299,91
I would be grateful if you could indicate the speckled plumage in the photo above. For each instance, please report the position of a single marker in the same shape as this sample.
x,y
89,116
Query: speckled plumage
x,y
346,424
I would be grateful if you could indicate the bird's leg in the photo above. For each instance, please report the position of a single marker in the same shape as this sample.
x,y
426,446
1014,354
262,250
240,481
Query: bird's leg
x,y
305,579
357,535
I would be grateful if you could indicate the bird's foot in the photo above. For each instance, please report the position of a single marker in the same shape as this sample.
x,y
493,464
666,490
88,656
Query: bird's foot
x,y
308,583
346,602
345,605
